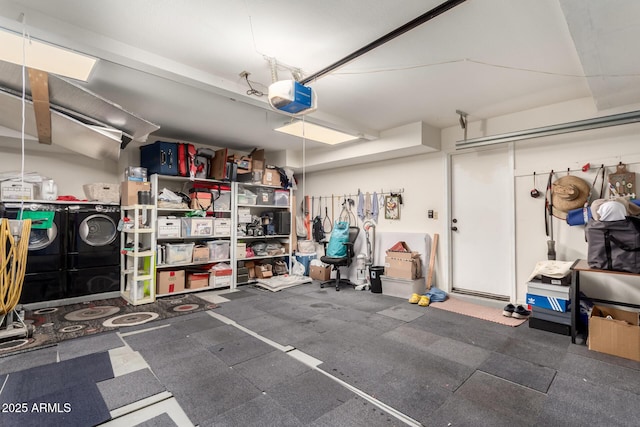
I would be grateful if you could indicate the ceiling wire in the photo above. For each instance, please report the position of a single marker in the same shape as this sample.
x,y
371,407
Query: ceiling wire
x,y
252,90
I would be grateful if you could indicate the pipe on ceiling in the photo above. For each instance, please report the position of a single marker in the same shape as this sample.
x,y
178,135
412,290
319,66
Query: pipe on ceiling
x,y
569,127
436,11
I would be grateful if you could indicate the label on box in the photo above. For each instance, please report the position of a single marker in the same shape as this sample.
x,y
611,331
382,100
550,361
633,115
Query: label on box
x,y
551,303
169,227
221,227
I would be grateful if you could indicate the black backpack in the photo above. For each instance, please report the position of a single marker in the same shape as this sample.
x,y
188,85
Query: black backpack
x,y
318,229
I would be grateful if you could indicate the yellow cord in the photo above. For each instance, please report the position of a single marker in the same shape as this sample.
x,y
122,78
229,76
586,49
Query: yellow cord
x,y
13,264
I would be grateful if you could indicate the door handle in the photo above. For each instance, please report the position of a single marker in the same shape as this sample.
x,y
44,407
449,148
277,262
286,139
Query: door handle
x,y
454,228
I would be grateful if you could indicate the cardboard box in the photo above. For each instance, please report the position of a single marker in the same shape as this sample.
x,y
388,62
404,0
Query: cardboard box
x,y
170,281
201,254
169,227
263,271
619,336
221,227
402,288
197,280
197,227
241,250
219,281
319,272
409,266
129,191
550,303
271,177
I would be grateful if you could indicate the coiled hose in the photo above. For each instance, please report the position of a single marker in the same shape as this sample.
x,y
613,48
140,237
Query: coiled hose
x,y
13,265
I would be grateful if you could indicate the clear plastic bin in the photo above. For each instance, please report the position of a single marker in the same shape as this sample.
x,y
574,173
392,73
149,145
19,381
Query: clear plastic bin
x,y
178,253
218,250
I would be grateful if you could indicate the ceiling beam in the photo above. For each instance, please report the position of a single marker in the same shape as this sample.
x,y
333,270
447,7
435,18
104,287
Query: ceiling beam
x,y
39,82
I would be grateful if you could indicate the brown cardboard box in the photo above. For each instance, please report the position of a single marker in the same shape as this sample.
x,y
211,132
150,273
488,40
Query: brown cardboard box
x,y
200,253
170,281
271,177
129,191
250,265
319,272
263,271
619,336
197,280
408,266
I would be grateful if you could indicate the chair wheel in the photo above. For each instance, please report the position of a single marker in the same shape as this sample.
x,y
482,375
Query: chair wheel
x,y
322,285
337,288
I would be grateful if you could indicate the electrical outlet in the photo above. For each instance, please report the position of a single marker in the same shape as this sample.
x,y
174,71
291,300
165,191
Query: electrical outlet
x,y
430,214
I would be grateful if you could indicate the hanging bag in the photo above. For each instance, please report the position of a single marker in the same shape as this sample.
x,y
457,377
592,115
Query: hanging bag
x,y
339,236
614,245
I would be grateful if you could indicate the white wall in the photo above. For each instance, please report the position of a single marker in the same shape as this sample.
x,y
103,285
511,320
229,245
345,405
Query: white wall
x,y
69,170
424,180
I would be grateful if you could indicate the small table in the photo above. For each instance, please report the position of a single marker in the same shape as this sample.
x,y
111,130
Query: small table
x,y
581,265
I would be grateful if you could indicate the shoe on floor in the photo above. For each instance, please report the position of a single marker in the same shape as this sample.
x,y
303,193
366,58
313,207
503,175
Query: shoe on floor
x,y
521,313
414,298
424,301
508,310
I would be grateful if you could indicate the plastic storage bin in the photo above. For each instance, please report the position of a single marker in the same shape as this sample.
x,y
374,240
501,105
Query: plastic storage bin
x,y
281,197
218,250
178,253
265,196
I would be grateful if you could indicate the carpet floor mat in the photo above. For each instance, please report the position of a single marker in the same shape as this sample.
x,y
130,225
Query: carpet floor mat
x,y
478,311
56,324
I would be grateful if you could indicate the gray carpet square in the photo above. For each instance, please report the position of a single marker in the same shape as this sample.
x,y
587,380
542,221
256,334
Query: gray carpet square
x,y
238,351
270,369
382,323
402,313
238,294
259,412
303,288
361,370
162,420
296,312
534,352
289,334
90,344
309,396
574,402
183,369
322,323
356,412
412,337
196,324
154,337
264,322
217,335
456,351
204,395
162,354
129,388
519,371
238,310
410,394
597,372
29,359
507,400
457,411
583,350
375,305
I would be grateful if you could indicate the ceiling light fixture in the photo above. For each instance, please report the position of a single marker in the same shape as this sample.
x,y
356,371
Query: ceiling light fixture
x,y
315,132
45,57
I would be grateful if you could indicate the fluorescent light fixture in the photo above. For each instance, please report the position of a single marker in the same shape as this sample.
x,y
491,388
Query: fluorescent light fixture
x,y
45,57
315,132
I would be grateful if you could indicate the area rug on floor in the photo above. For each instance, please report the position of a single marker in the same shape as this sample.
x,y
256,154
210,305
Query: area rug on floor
x,y
479,311
56,324
278,283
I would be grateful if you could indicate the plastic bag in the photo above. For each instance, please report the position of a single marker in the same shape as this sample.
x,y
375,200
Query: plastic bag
x,y
339,236
297,269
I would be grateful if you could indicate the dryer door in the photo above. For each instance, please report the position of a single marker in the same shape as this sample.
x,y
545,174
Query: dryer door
x,y
98,230
42,238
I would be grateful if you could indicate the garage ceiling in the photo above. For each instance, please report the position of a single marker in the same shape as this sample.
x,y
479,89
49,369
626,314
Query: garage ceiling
x,y
177,63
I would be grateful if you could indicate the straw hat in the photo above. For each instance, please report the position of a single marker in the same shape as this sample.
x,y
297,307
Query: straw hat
x,y
569,192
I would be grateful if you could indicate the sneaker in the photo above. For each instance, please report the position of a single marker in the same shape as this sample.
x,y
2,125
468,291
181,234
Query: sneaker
x,y
521,313
508,310
414,298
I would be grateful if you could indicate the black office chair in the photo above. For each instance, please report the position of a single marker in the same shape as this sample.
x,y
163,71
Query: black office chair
x,y
343,261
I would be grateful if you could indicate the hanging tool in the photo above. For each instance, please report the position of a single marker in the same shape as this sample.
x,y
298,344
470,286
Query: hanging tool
x,y
548,218
535,193
327,225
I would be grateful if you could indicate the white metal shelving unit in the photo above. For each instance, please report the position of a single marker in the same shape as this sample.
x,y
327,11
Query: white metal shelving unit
x,y
137,271
256,208
179,183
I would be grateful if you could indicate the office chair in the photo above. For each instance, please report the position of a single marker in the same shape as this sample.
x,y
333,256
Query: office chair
x,y
345,261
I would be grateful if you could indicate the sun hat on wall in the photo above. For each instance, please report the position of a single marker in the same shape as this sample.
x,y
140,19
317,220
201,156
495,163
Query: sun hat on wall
x,y
567,193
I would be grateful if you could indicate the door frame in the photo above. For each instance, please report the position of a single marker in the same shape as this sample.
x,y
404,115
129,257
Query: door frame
x,y
510,226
